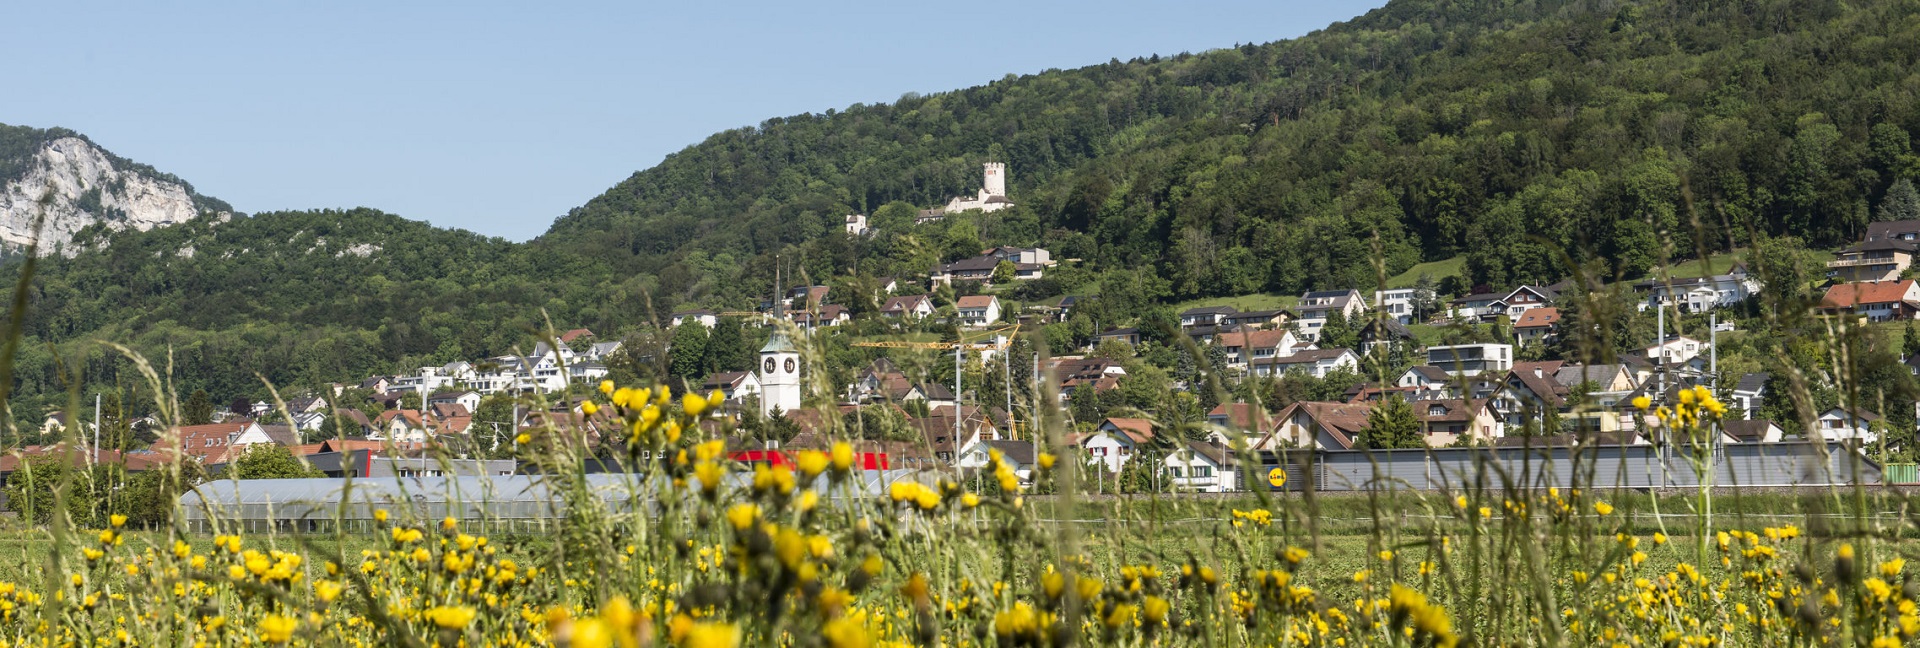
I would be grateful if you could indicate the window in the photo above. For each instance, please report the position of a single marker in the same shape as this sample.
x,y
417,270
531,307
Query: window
x,y
1203,471
1174,472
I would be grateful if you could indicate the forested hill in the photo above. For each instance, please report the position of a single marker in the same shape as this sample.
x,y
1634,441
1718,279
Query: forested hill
x,y
303,298
1606,128
1498,131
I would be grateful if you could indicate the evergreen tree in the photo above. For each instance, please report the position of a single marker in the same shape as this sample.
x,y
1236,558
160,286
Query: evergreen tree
x,y
688,352
1900,203
198,409
1338,333
1392,424
728,348
1909,341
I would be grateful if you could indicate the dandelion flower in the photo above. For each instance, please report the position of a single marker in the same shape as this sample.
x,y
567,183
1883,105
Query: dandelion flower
x,y
278,629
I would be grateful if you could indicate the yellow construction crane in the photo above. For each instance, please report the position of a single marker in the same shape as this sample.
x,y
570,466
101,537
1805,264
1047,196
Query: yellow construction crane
x,y
1001,343
964,341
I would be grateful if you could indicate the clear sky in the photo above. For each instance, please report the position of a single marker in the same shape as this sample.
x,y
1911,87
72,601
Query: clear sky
x,y
499,117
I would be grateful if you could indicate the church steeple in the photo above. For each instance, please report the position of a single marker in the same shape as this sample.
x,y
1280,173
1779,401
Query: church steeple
x,y
779,362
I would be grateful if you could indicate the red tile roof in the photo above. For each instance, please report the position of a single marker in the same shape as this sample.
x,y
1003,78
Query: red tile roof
x,y
976,301
1847,295
1538,318
1138,430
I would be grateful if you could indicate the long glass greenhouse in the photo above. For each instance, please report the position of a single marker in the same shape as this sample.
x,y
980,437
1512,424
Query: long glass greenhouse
x,y
490,504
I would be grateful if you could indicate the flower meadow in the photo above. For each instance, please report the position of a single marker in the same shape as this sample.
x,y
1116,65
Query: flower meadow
x,y
800,556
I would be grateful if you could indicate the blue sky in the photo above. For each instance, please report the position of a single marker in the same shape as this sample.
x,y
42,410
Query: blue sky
x,y
499,117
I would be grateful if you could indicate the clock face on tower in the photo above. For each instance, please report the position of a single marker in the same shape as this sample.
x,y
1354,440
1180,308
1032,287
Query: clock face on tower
x,y
768,366
789,365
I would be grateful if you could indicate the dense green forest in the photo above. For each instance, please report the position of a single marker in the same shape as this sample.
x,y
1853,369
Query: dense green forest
x,y
1619,133
1496,129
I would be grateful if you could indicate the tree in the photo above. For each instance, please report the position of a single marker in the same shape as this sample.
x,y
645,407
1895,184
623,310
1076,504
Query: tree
x,y
88,495
728,346
1392,424
688,351
1004,272
1426,301
153,495
1909,341
272,461
493,426
1338,333
198,410
410,400
1900,203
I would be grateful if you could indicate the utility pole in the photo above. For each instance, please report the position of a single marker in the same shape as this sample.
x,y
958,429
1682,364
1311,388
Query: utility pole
x,y
96,428
956,392
1006,363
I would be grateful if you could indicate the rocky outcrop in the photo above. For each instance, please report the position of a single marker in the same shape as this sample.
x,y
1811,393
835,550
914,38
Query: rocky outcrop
x,y
77,185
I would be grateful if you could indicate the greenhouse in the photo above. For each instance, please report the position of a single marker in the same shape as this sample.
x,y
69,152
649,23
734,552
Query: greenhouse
x,y
489,504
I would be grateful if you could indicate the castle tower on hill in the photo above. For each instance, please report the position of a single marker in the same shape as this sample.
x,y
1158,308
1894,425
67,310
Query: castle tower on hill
x,y
992,196
996,179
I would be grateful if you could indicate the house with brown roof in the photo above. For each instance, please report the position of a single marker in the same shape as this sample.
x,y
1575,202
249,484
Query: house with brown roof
x,y
1443,422
910,307
1883,254
213,443
1316,424
1537,326
400,425
1116,441
977,311
822,317
1246,346
1239,416
1878,301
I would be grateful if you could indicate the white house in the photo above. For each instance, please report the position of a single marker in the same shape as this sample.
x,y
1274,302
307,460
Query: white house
x,y
1116,440
1249,346
1396,303
1701,294
399,426
1018,455
1425,380
1752,431
1316,362
1322,425
705,317
1475,306
1202,467
1317,307
908,306
1838,424
1521,300
1470,359
736,386
1878,301
467,398
978,310
1677,350
856,224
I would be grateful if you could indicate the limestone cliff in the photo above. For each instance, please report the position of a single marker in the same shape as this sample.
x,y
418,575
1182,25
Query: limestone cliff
x,y
78,184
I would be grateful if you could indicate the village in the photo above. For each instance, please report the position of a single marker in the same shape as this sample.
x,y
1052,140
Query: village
x,y
1494,389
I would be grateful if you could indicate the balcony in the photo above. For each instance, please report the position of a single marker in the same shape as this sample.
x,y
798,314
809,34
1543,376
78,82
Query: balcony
x,y
1862,261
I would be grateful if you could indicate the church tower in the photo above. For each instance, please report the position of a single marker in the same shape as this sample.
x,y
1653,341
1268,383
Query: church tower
x,y
779,365
996,179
